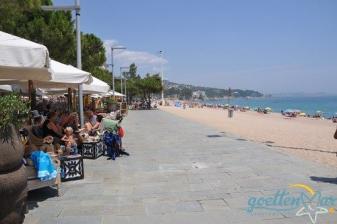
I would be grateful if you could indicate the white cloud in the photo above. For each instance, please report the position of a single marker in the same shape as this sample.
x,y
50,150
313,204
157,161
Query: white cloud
x,y
140,58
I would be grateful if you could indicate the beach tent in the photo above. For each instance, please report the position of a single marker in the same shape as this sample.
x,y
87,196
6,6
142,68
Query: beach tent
x,y
21,59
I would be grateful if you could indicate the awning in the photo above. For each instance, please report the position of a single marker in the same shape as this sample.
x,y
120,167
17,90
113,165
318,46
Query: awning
x,y
21,59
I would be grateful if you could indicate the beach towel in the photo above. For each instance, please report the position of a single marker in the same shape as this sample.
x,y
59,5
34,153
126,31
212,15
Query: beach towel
x,y
44,166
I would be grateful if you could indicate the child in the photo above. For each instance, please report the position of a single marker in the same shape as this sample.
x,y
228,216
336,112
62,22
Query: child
x,y
69,140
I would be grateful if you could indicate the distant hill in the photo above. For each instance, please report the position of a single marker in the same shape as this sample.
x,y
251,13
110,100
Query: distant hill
x,y
184,91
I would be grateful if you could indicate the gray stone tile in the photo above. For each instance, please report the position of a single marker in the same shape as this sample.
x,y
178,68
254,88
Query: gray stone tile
x,y
176,174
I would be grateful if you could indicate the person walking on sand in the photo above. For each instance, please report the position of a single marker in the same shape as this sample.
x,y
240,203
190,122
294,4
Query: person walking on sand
x,y
335,136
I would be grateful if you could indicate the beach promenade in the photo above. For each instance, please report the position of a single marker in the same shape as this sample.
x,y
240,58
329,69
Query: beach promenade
x,y
183,172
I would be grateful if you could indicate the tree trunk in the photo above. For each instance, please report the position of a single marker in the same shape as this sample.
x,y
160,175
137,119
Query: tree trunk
x,y
13,181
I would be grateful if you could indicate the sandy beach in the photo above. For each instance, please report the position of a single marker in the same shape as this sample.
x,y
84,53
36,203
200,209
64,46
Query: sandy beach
x,y
307,138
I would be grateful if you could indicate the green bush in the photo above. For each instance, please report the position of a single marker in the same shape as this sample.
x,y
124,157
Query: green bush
x,y
13,111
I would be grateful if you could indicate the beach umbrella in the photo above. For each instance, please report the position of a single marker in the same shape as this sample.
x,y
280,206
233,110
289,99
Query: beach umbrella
x,y
64,76
110,93
97,86
6,88
21,59
95,96
268,108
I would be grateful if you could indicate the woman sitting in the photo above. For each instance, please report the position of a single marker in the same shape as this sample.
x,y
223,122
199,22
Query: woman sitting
x,y
51,128
97,126
90,127
71,121
37,127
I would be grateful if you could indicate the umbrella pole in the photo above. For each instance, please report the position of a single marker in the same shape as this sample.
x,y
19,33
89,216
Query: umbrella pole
x,y
70,99
31,94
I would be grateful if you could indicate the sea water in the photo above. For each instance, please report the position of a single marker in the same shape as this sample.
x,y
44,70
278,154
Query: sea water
x,y
310,105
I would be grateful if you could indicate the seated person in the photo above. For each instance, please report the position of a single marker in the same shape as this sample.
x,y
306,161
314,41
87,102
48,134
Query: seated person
x,y
37,126
97,126
91,117
71,121
51,128
69,141
90,127
63,118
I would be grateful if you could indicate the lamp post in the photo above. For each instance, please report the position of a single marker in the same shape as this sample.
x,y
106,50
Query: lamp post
x,y
162,79
77,9
121,72
112,67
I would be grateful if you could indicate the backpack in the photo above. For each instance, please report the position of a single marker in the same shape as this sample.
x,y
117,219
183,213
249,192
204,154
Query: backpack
x,y
121,132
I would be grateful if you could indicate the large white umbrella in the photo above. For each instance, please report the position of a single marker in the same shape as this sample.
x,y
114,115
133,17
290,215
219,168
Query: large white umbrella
x,y
97,86
21,59
110,93
6,88
64,76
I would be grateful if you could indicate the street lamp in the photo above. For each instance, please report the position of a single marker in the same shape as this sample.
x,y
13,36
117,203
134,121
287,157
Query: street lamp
x,y
120,70
112,67
77,9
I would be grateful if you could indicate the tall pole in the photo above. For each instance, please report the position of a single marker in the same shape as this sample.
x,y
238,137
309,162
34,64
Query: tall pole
x,y
75,7
112,72
126,99
120,71
162,80
79,60
112,67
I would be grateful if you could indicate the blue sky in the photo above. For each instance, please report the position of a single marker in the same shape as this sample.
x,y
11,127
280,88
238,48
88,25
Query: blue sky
x,y
268,45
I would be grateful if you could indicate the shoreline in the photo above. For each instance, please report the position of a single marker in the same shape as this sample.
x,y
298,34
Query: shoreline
x,y
308,138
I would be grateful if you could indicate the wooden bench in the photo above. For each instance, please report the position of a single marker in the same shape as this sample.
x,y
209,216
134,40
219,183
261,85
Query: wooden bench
x,y
35,183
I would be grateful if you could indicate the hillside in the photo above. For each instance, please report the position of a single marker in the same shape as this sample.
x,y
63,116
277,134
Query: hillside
x,y
184,91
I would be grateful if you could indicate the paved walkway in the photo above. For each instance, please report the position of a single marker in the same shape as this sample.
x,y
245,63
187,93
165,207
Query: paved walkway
x,y
180,172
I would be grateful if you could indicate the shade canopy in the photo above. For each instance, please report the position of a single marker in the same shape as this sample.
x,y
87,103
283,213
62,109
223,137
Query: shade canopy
x,y
6,88
110,93
64,76
95,87
21,59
